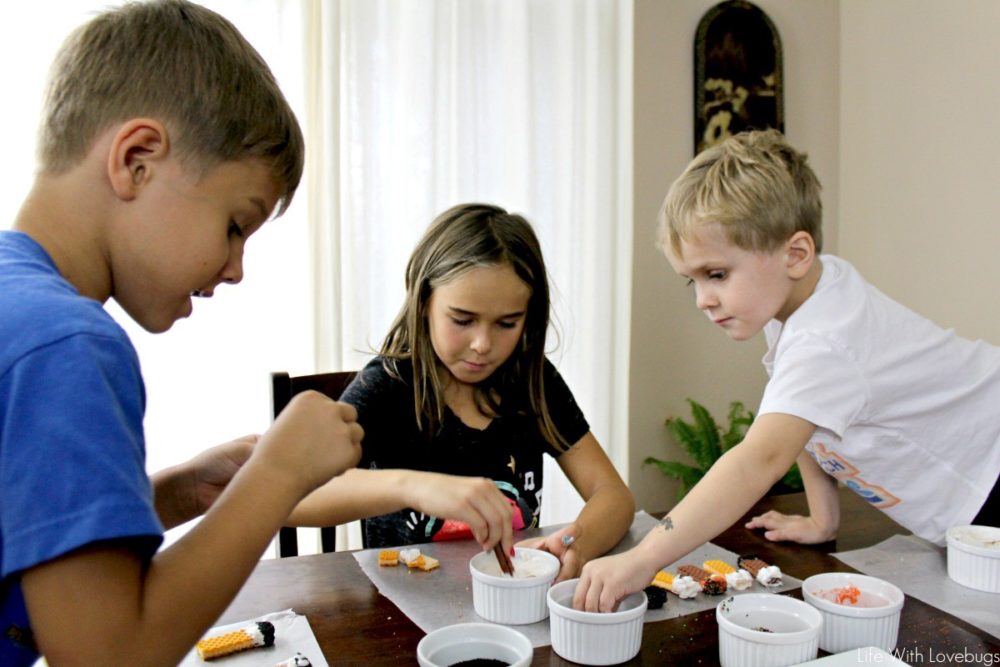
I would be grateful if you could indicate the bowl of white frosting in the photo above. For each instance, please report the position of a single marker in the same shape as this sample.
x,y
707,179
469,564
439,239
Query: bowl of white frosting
x,y
974,557
513,599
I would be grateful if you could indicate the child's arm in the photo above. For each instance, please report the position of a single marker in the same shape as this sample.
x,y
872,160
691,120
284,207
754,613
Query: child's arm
x,y
187,490
604,519
736,481
824,510
359,493
102,603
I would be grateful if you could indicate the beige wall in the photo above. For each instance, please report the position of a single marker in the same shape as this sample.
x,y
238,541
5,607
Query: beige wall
x,y
920,155
675,351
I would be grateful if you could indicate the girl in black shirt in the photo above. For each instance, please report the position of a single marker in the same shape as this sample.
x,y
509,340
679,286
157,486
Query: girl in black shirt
x,y
461,403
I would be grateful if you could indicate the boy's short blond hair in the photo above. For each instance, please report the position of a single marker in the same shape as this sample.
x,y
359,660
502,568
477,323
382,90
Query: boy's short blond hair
x,y
183,65
760,189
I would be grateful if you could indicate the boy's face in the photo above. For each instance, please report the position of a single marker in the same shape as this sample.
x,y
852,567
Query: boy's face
x,y
739,290
185,235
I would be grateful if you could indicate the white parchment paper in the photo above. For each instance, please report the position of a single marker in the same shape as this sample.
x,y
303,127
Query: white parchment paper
x,y
292,635
443,596
920,569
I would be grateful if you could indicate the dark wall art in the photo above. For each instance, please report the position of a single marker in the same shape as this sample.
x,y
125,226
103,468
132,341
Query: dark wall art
x,y
738,82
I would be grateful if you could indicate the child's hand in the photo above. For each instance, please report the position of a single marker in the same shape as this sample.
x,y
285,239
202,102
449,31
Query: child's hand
x,y
313,440
214,468
560,544
187,490
604,582
780,527
475,501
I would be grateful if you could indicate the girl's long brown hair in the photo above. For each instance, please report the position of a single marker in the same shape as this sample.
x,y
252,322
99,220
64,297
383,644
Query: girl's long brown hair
x,y
462,238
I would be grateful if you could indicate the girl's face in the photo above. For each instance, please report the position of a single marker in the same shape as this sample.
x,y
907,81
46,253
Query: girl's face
x,y
476,320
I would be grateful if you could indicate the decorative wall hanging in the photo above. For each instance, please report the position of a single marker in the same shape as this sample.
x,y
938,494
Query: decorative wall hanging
x,y
738,83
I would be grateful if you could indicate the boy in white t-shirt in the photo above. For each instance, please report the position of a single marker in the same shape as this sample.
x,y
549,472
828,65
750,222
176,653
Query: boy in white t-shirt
x,y
862,390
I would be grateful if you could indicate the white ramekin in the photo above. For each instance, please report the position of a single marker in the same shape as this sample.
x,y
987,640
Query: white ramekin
x,y
470,641
592,638
511,600
970,562
793,636
846,627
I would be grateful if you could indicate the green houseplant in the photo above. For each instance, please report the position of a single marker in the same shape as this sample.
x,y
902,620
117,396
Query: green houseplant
x,y
705,441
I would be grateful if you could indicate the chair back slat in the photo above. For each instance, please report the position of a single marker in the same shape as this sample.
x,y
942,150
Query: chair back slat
x,y
283,388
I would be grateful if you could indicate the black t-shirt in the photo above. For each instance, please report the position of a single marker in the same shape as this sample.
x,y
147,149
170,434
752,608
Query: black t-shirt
x,y
508,451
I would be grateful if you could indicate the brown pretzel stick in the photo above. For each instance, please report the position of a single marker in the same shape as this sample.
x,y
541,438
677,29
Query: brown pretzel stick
x,y
506,566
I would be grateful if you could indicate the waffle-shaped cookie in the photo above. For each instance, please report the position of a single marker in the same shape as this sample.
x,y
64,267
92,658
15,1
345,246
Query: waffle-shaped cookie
x,y
252,636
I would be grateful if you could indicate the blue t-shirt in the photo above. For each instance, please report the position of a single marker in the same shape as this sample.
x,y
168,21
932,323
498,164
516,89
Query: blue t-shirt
x,y
72,453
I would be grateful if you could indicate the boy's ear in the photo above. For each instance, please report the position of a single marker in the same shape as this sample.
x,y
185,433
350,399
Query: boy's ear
x,y
137,148
800,253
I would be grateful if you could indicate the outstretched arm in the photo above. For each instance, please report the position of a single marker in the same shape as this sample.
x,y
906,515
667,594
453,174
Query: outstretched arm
x,y
736,481
360,493
604,519
824,510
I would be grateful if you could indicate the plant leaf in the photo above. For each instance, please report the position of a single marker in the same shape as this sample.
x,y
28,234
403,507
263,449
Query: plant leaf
x,y
793,478
683,433
740,420
707,434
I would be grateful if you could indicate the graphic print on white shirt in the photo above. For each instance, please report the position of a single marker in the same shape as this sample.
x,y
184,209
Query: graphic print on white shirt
x,y
841,469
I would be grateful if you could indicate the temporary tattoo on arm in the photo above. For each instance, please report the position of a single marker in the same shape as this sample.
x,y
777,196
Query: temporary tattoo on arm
x,y
667,523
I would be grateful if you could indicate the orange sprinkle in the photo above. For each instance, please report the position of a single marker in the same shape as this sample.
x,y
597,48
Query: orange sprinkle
x,y
848,594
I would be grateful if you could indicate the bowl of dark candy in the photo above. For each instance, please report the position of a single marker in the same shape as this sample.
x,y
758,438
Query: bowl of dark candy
x,y
474,645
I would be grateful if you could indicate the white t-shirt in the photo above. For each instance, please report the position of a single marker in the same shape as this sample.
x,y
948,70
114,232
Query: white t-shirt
x,y
907,413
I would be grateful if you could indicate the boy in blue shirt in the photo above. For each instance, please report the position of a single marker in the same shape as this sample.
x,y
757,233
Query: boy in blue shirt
x,y
862,390
166,143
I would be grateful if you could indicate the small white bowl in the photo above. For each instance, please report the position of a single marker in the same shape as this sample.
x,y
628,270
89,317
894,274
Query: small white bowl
x,y
791,632
846,626
592,638
470,641
974,557
513,600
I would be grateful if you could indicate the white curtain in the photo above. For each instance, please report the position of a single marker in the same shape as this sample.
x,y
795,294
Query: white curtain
x,y
409,107
527,104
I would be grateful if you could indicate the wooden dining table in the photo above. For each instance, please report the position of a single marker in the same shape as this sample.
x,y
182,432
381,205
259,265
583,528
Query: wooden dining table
x,y
355,625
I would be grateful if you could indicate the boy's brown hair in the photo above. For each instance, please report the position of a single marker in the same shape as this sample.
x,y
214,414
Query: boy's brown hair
x,y
183,65
759,188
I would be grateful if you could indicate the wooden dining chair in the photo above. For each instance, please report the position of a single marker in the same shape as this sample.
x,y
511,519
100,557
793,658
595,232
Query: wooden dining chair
x,y
283,387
